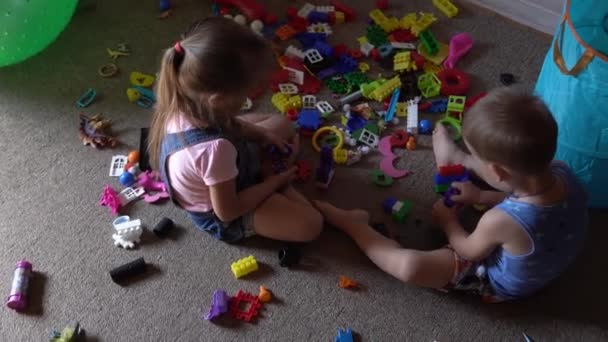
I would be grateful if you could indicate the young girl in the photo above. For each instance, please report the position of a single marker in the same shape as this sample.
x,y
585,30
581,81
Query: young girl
x,y
208,157
533,232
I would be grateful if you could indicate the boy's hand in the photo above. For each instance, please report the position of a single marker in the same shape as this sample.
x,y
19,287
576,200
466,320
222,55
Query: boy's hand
x,y
443,215
283,178
270,138
469,193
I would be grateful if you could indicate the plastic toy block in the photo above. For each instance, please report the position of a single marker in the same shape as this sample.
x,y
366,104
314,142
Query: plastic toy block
x,y
402,36
346,65
438,58
294,75
369,138
72,333
244,266
429,85
326,170
294,52
265,295
451,170
285,32
309,101
429,42
385,50
384,91
318,17
325,108
294,102
236,303
363,67
441,188
340,156
368,88
401,210
402,61
308,39
366,49
349,13
446,7
299,24
347,283
456,103
401,111
280,101
323,48
377,16
408,20
320,28
344,335
376,35
381,179
339,17
311,85
219,305
412,117
277,77
325,9
438,179
305,10
304,170
87,98
288,88
309,119
424,22
392,107
313,56
355,79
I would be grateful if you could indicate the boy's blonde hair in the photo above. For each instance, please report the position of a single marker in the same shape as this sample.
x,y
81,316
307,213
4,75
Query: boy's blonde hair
x,y
513,128
215,55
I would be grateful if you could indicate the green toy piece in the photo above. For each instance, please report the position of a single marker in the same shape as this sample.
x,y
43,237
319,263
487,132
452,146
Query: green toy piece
x,y
403,212
355,79
456,103
376,35
381,179
441,188
429,85
429,42
454,123
28,27
337,85
68,334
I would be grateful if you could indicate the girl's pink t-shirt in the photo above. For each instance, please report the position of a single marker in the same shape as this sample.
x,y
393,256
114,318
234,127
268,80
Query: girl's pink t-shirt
x,y
194,169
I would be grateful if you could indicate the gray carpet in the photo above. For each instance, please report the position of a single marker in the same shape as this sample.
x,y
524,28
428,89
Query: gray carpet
x,y
50,185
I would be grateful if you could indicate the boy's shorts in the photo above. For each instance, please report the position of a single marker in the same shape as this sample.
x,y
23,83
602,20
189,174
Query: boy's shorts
x,y
471,277
230,232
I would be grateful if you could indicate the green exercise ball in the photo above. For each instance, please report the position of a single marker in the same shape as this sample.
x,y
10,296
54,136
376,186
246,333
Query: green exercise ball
x,y
29,26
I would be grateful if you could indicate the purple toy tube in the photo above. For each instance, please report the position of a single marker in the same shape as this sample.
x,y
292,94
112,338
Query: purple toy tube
x,y
17,299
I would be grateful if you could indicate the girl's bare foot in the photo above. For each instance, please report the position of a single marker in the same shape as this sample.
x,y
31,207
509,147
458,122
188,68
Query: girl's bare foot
x,y
341,218
445,150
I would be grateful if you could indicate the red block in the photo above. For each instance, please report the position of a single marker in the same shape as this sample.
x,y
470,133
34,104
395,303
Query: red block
x,y
424,106
245,315
451,170
375,55
299,24
356,54
304,170
349,13
418,59
311,85
399,138
382,4
340,50
277,77
292,12
403,36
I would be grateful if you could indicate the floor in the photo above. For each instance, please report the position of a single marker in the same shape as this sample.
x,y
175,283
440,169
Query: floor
x,y
50,216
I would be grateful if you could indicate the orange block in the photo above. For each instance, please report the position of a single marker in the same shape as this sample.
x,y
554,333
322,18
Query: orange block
x,y
285,32
347,283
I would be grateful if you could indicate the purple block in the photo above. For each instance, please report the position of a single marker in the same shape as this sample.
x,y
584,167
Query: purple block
x,y
219,305
447,197
324,49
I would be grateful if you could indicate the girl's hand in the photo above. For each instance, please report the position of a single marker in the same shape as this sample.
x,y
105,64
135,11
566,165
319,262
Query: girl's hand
x,y
443,215
270,138
469,193
283,178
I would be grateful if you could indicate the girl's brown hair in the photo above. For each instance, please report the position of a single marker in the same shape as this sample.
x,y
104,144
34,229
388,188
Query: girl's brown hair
x,y
215,55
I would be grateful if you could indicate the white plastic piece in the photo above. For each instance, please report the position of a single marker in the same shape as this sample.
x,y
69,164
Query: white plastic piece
x,y
324,107
403,46
395,121
325,9
305,10
240,19
313,56
257,25
364,150
368,138
347,110
117,165
129,194
294,52
366,49
412,117
247,105
350,141
228,16
295,76
134,170
353,157
127,232
288,88
309,101
320,28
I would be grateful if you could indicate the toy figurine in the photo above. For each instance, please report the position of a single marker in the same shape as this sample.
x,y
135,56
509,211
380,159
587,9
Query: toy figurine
x,y
92,131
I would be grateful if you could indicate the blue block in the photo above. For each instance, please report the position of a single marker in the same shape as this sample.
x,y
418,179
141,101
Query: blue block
x,y
308,39
438,106
327,73
355,123
318,17
388,204
309,119
347,64
344,335
324,49
447,180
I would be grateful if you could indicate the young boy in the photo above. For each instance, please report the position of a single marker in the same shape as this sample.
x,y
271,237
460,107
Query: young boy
x,y
537,222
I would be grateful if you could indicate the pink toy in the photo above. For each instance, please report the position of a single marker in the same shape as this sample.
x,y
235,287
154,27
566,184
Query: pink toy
x,y
252,9
386,164
110,199
149,181
460,44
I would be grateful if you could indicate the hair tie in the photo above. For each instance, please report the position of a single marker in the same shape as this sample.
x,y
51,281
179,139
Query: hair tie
x,y
178,48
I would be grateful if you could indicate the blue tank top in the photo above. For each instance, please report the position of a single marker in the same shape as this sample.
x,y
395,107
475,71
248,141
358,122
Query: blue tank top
x,y
557,233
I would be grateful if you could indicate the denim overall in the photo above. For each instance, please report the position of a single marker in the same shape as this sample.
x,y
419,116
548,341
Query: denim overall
x,y
249,174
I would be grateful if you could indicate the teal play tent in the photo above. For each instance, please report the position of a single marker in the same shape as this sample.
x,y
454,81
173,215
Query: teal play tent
x,y
574,84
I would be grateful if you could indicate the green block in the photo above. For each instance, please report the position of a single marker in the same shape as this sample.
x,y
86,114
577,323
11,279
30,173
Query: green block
x,y
456,103
355,79
380,179
401,215
376,35
429,42
441,188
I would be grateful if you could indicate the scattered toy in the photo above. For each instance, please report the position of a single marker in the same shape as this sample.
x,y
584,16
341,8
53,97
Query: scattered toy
x,y
17,298
123,273
265,295
344,335
244,266
92,131
242,299
163,228
289,256
347,283
69,334
127,232
219,305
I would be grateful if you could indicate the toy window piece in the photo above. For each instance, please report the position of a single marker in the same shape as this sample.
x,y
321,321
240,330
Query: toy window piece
x,y
288,88
129,194
368,138
313,56
117,166
296,76
324,107
309,101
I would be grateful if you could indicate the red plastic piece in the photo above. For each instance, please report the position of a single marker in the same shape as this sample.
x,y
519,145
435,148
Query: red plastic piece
x,y
255,93
292,12
356,54
304,170
399,138
472,100
332,18
250,8
292,114
454,82
277,77
340,49
424,106
224,11
418,60
311,85
451,170
299,24
349,13
270,19
375,54
243,297
382,4
403,35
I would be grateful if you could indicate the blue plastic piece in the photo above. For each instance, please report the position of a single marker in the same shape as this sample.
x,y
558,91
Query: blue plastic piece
x,y
324,49
344,335
347,64
438,106
126,179
327,73
87,98
446,180
392,107
165,5
309,119
385,50
447,197
425,126
325,172
318,17
388,204
147,98
355,123
308,39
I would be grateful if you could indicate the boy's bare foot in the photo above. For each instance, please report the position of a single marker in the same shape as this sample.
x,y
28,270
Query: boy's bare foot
x,y
341,218
445,150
